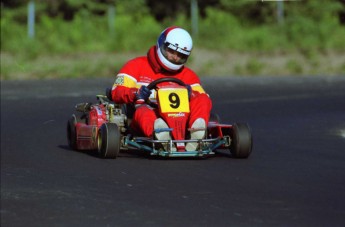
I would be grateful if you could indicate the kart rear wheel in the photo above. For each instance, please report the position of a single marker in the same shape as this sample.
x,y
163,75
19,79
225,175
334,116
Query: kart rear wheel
x,y
242,143
71,132
108,140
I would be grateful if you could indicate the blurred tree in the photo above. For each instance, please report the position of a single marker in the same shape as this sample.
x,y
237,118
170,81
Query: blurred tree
x,y
135,8
171,9
250,12
314,9
68,8
342,12
13,3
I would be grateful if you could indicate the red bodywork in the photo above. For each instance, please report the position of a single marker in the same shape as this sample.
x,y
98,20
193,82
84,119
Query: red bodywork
x,y
215,129
175,120
86,133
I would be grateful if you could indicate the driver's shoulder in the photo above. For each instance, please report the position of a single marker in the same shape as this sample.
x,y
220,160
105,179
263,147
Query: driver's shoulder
x,y
189,71
138,60
189,74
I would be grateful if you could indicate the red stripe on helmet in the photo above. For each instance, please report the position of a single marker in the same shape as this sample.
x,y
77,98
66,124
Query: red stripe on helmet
x,y
169,29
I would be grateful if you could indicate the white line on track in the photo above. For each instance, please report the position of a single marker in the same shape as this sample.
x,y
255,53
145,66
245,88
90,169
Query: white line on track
x,y
342,133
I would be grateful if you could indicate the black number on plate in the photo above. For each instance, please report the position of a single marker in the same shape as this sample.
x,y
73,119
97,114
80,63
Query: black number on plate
x,y
174,100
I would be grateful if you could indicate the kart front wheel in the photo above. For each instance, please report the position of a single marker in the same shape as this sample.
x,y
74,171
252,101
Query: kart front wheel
x,y
242,143
108,140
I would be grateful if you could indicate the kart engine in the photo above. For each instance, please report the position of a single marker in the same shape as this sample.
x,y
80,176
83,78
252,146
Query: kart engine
x,y
114,115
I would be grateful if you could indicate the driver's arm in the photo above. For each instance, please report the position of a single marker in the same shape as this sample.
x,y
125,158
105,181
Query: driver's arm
x,y
124,89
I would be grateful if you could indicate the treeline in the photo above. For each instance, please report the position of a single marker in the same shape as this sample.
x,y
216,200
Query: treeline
x,y
251,12
64,26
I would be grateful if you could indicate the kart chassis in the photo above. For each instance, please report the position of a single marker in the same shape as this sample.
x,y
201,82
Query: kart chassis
x,y
105,127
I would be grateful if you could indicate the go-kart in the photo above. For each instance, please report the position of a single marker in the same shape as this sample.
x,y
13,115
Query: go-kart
x,y
105,127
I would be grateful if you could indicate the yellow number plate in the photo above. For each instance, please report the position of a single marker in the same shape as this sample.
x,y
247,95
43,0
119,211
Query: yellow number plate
x,y
173,100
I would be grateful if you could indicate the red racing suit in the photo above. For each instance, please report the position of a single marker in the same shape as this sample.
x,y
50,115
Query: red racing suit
x,y
143,70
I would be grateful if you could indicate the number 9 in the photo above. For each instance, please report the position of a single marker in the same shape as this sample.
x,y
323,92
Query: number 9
x,y
174,100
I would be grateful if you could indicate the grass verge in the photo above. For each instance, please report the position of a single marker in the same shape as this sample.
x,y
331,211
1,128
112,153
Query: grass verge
x,y
204,62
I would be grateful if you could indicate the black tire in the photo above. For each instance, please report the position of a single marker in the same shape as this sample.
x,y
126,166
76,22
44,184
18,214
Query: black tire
x,y
214,118
242,142
71,132
108,140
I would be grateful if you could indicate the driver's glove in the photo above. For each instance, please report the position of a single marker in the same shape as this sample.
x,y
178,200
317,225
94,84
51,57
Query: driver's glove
x,y
143,93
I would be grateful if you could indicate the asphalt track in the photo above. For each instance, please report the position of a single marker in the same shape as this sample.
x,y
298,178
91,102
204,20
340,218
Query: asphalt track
x,y
294,177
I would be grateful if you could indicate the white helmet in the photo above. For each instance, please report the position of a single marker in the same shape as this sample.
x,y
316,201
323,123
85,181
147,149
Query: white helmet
x,y
177,39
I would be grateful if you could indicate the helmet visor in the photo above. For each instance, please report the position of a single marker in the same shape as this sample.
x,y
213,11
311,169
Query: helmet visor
x,y
174,54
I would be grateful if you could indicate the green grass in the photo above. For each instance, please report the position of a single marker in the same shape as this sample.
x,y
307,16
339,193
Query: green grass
x,y
205,62
85,47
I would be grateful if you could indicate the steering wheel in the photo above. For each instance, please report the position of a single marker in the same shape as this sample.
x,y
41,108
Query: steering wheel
x,y
153,84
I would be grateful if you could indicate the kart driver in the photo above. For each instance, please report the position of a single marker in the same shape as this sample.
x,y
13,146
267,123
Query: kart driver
x,y
165,59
